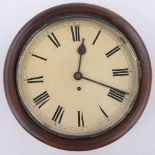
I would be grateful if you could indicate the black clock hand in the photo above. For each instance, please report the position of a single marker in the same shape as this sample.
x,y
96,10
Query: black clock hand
x,y
81,50
102,84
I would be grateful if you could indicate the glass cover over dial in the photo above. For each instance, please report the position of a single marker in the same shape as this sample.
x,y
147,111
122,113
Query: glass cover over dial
x,y
78,76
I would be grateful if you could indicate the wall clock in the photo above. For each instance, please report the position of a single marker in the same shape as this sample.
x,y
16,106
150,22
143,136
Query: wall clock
x,y
77,76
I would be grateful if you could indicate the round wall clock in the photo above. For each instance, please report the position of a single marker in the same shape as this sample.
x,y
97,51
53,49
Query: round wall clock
x,y
77,76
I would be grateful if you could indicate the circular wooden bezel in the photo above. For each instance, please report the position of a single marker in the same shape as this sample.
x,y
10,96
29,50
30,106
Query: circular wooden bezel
x,y
10,77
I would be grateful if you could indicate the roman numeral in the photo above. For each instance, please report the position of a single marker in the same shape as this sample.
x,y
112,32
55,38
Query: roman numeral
x,y
103,112
54,40
114,50
120,72
116,94
34,55
96,37
57,117
80,119
35,79
75,32
41,99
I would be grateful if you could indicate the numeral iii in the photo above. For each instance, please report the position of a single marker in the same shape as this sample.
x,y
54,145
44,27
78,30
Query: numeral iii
x,y
120,72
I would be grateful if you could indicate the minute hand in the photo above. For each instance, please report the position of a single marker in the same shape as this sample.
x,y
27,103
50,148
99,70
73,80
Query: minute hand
x,y
102,84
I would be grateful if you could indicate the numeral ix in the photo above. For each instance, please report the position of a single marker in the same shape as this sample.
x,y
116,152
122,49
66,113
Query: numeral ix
x,y
35,79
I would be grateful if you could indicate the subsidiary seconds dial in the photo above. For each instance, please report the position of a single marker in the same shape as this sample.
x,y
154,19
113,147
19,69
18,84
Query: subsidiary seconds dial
x,y
78,77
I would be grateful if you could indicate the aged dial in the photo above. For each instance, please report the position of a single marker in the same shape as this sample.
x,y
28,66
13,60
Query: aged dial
x,y
78,77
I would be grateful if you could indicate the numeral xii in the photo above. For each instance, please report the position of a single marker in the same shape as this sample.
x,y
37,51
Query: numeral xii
x,y
75,30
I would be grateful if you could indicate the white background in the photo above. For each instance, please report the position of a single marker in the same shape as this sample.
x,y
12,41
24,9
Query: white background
x,y
14,140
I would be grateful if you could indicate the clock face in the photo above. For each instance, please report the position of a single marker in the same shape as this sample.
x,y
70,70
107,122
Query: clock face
x,y
78,76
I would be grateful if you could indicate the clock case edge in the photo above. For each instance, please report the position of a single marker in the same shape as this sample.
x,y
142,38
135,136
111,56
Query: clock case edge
x,y
87,143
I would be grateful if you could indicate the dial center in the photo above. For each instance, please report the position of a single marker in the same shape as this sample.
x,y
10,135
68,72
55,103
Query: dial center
x,y
78,76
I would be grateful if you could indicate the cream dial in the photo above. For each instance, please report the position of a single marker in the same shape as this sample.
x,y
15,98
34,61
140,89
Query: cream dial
x,y
78,77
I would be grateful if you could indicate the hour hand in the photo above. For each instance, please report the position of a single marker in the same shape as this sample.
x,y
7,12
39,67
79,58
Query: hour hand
x,y
81,50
